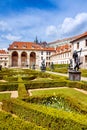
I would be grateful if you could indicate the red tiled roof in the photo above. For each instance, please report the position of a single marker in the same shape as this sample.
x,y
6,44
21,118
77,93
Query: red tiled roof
x,y
71,39
62,40
63,49
3,52
79,37
28,46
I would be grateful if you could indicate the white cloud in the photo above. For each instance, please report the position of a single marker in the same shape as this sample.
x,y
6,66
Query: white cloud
x,y
47,26
51,30
70,25
4,26
11,37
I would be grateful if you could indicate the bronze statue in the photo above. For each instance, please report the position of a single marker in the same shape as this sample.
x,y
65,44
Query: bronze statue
x,y
43,67
77,62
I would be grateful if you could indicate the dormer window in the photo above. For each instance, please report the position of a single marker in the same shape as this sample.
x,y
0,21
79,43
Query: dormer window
x,y
24,46
33,47
86,42
77,45
15,46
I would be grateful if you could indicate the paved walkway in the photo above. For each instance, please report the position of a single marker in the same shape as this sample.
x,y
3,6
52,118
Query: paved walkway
x,y
30,90
14,94
61,74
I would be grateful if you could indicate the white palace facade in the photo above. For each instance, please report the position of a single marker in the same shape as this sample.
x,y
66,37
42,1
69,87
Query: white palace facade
x,y
27,54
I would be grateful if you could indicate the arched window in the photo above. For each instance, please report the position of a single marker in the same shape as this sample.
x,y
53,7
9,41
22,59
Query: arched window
x,y
14,59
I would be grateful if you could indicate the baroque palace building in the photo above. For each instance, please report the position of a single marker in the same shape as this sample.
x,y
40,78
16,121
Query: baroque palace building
x,y
27,54
4,58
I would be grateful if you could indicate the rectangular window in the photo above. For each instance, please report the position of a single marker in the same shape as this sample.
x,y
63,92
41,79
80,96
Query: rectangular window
x,y
86,59
46,58
77,45
41,52
86,42
49,52
41,58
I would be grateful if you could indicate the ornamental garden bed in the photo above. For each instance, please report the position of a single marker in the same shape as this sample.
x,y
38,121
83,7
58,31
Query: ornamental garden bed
x,y
62,109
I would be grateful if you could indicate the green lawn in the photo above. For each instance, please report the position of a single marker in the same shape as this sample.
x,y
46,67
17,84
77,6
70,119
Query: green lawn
x,y
69,92
4,96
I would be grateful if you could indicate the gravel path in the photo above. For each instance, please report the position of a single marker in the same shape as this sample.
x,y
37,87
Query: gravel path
x,y
30,90
82,78
14,94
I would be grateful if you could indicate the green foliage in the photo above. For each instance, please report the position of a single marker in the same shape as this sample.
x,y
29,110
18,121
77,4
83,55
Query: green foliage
x,y
8,122
45,84
4,96
8,86
31,77
60,68
49,118
61,65
64,98
35,79
22,93
84,72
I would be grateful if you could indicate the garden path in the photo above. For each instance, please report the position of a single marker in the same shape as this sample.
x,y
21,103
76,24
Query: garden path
x,y
14,94
61,74
30,90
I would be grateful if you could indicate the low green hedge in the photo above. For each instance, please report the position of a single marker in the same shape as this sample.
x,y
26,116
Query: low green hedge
x,y
31,77
4,96
8,86
45,84
49,118
69,103
55,83
10,79
8,122
76,84
22,92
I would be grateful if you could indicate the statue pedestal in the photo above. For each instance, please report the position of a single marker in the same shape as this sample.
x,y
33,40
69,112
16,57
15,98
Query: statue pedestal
x,y
74,75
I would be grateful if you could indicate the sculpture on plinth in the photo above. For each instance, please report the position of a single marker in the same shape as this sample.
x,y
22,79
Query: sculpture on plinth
x,y
0,67
43,67
33,66
74,66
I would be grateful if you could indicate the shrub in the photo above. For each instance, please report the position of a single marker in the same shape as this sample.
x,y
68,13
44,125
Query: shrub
x,y
49,118
62,101
31,77
8,122
76,84
8,86
44,84
21,89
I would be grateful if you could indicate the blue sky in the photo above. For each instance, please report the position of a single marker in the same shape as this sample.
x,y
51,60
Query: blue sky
x,y
49,20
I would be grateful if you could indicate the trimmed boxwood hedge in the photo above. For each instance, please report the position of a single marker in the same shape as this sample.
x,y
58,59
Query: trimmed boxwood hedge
x,y
49,118
8,86
57,81
22,92
31,77
9,122
72,103
45,84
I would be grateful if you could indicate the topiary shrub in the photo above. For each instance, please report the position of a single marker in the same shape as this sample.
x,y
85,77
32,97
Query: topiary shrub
x,y
22,92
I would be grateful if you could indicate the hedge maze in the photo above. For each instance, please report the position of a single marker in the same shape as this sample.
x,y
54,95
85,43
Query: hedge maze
x,y
57,109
